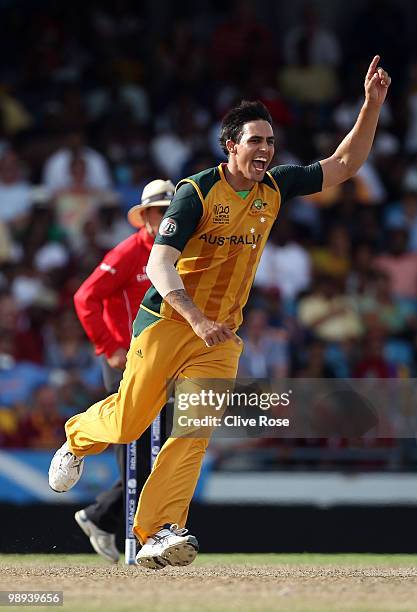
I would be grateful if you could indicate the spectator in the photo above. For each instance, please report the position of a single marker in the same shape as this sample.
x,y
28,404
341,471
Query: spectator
x,y
117,97
18,380
42,424
322,46
58,174
306,82
333,258
403,214
76,204
400,265
170,151
132,178
15,116
265,354
15,192
29,288
230,42
373,364
328,314
342,211
365,187
312,363
285,264
378,306
362,269
24,328
6,247
347,110
67,348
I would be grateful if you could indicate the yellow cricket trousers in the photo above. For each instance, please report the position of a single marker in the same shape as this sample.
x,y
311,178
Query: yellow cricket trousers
x,y
163,350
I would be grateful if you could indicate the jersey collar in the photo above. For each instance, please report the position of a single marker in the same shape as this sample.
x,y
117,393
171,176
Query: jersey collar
x,y
230,188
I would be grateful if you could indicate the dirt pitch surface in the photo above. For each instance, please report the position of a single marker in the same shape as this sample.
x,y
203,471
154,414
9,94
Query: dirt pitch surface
x,y
222,583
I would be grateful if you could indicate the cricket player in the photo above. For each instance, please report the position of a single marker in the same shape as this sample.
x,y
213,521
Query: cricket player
x,y
201,267
106,304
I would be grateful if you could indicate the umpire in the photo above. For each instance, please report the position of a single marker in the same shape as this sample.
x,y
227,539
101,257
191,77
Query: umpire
x,y
106,304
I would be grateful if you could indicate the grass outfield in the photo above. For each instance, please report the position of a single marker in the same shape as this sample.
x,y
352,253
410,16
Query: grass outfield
x,y
223,583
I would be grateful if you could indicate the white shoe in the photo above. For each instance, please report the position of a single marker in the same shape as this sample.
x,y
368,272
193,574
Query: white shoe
x,y
169,546
103,542
65,470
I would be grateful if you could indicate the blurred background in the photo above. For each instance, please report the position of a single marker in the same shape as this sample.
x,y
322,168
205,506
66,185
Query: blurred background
x,y
97,99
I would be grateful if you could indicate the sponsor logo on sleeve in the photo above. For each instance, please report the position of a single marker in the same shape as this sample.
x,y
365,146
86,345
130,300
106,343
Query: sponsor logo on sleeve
x,y
168,227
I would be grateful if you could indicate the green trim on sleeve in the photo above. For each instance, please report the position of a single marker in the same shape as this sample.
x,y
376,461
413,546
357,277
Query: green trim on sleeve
x,y
181,218
295,180
143,320
152,300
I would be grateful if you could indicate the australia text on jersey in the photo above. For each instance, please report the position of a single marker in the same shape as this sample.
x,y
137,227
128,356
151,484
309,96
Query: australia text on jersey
x,y
221,240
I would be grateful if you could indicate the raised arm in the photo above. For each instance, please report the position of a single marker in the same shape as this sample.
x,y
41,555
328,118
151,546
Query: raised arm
x,y
166,280
355,147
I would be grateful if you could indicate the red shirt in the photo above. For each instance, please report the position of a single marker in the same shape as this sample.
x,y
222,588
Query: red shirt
x,y
108,300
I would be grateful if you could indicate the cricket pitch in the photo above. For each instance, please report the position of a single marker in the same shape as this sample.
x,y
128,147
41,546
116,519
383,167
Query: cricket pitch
x,y
222,583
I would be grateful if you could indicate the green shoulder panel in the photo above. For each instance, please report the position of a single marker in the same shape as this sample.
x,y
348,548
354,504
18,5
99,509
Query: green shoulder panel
x,y
143,319
206,180
293,180
152,300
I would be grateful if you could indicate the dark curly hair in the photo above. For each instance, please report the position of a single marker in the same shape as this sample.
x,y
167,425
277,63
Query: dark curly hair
x,y
235,119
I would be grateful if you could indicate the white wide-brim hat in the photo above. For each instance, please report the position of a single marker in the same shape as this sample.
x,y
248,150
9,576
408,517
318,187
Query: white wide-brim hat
x,y
155,193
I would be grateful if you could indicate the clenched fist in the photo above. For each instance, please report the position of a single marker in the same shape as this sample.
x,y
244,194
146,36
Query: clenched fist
x,y
211,332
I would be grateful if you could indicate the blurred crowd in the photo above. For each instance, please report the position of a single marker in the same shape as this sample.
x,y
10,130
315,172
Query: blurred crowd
x,y
94,103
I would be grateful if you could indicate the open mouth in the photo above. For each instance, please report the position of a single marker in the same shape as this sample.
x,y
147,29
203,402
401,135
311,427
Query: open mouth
x,y
259,164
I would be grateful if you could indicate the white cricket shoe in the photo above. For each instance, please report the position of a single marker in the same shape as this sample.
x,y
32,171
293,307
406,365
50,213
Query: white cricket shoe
x,y
65,469
169,546
103,542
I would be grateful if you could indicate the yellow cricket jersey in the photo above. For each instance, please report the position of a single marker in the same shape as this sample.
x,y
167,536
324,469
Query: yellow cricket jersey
x,y
221,236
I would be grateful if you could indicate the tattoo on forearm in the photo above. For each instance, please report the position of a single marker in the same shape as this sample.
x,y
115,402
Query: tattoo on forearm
x,y
182,302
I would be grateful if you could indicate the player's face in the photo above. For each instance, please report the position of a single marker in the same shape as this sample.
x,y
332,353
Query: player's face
x,y
255,150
